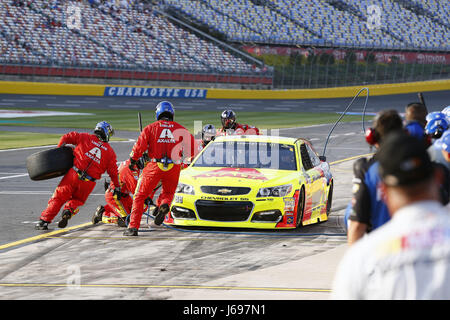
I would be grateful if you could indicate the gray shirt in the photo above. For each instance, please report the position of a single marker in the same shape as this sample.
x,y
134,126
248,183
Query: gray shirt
x,y
437,156
406,258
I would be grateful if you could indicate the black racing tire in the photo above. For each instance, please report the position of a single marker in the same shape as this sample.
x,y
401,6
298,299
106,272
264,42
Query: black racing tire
x,y
50,163
300,207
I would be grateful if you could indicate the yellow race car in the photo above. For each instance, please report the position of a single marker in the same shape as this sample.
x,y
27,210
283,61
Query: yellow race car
x,y
252,181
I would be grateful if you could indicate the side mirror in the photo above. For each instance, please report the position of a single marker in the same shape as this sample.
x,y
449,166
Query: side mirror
x,y
323,158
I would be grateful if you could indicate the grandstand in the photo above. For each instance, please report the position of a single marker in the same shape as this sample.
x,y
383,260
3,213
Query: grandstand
x,y
166,39
325,22
37,33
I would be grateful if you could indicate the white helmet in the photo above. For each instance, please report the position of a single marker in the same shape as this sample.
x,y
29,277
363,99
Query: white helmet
x,y
208,133
446,111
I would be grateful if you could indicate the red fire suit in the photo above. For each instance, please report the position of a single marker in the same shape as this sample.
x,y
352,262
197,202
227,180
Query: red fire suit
x,y
239,129
128,181
121,208
199,145
161,139
91,155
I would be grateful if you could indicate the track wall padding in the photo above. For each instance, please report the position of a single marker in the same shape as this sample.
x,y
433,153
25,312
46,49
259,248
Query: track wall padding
x,y
43,88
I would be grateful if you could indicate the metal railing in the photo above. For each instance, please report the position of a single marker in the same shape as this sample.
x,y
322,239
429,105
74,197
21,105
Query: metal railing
x,y
334,67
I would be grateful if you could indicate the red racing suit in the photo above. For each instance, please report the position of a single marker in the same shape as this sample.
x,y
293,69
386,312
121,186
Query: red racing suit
x,y
239,129
162,139
90,155
128,181
121,208
199,145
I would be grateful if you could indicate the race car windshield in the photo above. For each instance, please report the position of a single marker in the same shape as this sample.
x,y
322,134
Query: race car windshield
x,y
245,154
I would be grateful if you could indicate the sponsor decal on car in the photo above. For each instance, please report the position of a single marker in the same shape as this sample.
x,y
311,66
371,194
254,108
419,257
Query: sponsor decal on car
x,y
243,173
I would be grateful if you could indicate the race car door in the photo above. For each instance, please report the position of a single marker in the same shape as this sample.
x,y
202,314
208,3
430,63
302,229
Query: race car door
x,y
310,163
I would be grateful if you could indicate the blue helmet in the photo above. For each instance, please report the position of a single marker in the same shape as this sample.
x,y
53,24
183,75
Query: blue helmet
x,y
104,131
437,124
443,142
435,115
165,109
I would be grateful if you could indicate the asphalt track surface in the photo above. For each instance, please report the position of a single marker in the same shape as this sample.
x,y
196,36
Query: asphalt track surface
x,y
22,200
435,101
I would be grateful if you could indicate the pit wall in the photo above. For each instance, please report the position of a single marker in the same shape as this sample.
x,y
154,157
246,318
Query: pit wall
x,y
43,88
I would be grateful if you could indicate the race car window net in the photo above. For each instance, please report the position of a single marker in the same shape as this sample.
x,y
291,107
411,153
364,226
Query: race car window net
x,y
245,154
315,161
306,160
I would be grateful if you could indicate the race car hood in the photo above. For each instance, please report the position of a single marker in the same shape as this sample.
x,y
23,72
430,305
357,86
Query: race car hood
x,y
236,176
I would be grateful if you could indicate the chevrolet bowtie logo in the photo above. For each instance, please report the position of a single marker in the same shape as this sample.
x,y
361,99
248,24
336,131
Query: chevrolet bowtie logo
x,y
224,191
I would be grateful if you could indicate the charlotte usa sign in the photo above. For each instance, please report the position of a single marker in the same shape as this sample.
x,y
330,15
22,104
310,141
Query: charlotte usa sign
x,y
151,92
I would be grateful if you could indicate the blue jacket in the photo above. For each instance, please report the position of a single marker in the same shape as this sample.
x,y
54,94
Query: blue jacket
x,y
367,205
415,129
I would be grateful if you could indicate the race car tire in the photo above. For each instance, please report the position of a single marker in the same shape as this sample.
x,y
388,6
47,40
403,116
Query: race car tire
x,y
330,198
50,163
300,207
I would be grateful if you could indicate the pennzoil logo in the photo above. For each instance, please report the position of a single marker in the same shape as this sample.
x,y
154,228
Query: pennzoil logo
x,y
242,173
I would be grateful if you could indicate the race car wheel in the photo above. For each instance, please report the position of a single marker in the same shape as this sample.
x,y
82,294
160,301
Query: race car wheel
x,y
330,198
300,207
49,164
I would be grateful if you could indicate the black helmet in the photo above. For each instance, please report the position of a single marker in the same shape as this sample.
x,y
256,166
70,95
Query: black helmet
x,y
228,118
208,133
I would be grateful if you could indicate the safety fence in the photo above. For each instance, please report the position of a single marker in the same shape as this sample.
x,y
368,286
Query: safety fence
x,y
334,67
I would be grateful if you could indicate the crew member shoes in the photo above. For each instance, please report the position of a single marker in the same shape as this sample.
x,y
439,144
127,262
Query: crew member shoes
x,y
66,215
121,222
160,215
97,217
130,232
41,225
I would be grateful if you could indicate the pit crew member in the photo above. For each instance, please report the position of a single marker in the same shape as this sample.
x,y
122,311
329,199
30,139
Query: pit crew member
x,y
92,157
167,143
208,135
117,209
367,211
230,126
